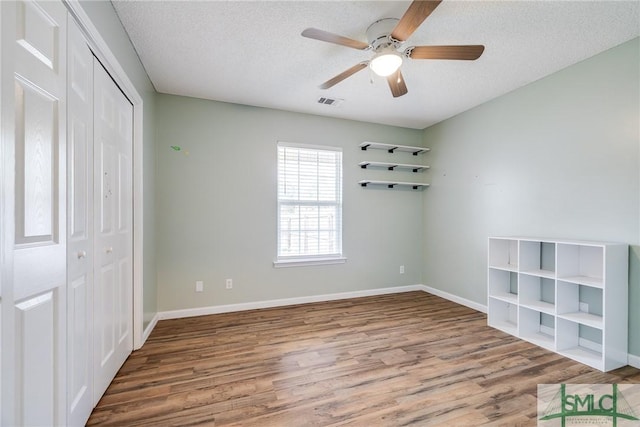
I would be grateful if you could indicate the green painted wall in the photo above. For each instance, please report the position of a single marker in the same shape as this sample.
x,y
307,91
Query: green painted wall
x,y
216,212
559,157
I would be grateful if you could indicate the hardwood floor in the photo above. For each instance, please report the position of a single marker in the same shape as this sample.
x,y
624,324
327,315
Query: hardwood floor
x,y
392,360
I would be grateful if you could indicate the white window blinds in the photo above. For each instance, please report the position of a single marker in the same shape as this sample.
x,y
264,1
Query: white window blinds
x,y
309,202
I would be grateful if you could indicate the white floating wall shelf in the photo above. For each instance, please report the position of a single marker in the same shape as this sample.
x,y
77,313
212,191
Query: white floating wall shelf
x,y
393,166
392,148
393,184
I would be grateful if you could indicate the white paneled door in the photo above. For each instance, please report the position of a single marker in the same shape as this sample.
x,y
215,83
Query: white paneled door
x,y
100,235
80,228
39,250
113,239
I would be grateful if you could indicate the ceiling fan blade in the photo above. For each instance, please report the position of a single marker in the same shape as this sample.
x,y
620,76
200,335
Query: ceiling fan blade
x,y
397,84
413,17
469,52
343,75
314,33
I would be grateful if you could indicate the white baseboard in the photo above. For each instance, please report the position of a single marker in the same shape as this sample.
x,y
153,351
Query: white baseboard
x,y
634,361
459,300
228,308
147,331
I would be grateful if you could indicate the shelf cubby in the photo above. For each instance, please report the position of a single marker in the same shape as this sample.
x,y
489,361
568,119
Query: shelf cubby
x,y
503,254
503,315
580,342
570,297
581,304
537,327
537,293
538,258
581,264
503,285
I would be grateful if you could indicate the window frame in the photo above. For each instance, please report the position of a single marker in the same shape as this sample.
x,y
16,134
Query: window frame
x,y
309,259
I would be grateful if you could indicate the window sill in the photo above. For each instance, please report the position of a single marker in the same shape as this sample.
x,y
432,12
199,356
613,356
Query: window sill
x,y
306,262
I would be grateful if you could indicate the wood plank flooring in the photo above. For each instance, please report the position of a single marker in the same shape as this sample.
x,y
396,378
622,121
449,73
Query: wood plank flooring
x,y
391,360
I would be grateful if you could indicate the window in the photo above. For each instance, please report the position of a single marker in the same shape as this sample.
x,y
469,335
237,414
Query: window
x,y
309,204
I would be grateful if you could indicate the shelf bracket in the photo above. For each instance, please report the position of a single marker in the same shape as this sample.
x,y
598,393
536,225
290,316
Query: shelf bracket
x,y
415,153
415,187
364,184
364,147
390,185
392,150
364,166
416,169
392,167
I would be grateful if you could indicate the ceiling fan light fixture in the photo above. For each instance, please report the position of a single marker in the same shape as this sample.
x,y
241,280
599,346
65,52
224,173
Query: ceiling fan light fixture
x,y
386,63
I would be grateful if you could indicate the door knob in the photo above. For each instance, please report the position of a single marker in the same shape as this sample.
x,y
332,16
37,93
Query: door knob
x,y
82,254
109,250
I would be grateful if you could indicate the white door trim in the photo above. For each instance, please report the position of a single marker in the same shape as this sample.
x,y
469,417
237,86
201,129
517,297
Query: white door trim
x,y
110,62
7,358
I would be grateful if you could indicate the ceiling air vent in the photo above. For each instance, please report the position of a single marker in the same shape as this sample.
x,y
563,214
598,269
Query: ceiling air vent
x,y
334,102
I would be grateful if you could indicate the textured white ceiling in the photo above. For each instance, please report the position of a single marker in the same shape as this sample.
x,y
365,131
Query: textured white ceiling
x,y
251,52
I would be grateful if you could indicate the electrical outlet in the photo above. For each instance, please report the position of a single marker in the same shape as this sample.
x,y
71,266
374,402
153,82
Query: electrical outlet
x,y
229,284
402,269
199,286
584,307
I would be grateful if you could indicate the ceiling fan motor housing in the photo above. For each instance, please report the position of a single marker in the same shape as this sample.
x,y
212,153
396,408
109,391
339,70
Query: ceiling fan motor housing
x,y
378,34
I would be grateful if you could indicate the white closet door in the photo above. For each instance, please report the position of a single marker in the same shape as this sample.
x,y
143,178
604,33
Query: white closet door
x,y
113,248
80,228
39,253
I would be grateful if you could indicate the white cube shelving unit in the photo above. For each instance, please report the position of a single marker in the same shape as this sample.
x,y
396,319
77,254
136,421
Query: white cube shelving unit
x,y
570,297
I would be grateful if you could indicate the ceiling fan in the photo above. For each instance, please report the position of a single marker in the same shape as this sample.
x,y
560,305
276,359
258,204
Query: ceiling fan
x,y
386,37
